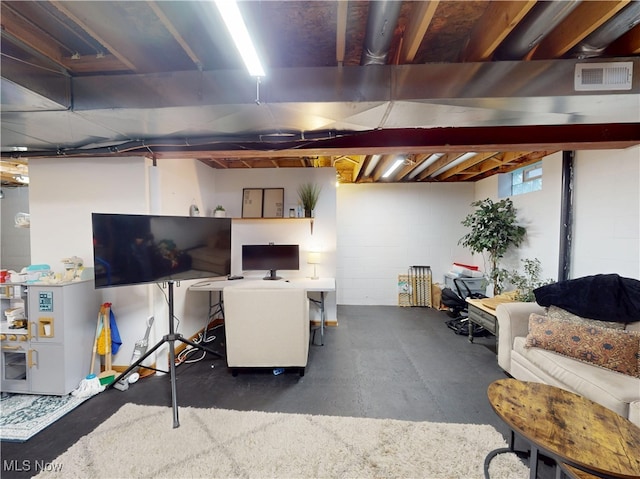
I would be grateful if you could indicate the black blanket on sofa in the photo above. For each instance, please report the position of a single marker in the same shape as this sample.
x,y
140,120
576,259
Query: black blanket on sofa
x,y
607,297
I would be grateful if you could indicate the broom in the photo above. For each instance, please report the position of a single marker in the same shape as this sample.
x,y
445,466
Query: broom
x,y
107,376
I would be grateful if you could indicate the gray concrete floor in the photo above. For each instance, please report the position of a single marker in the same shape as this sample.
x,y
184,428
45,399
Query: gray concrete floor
x,y
379,362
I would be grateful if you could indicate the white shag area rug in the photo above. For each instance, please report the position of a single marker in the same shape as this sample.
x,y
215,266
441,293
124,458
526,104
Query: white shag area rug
x,y
139,441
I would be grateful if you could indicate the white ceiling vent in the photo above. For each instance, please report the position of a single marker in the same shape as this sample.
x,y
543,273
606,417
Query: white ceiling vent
x,y
603,76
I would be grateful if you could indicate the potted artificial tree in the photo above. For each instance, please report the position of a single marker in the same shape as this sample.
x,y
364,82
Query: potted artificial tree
x,y
493,231
308,194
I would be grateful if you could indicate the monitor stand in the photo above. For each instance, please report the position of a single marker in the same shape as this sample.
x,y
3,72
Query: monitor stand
x,y
272,275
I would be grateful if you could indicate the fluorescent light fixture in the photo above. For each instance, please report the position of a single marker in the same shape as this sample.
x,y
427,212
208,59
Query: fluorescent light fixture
x,y
373,162
426,163
238,31
394,167
455,162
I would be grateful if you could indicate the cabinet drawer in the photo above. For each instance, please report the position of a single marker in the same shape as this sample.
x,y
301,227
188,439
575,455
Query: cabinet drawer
x,y
482,318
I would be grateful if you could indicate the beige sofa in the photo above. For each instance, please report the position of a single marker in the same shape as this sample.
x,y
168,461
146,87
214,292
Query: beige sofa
x,y
616,391
266,325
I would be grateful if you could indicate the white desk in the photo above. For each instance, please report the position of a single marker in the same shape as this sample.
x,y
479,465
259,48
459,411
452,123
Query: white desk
x,y
320,285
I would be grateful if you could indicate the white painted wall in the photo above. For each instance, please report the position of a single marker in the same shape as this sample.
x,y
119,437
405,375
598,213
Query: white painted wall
x,y
383,229
64,193
606,207
229,185
369,233
15,246
607,213
539,212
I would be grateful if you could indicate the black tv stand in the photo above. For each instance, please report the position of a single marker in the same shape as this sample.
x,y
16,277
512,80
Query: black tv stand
x,y
170,338
272,276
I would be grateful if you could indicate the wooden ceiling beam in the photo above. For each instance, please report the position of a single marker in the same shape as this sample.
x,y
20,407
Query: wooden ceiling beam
x,y
474,160
498,20
383,165
436,165
174,33
357,169
511,161
222,164
94,28
364,164
341,31
90,64
581,22
414,162
27,34
414,33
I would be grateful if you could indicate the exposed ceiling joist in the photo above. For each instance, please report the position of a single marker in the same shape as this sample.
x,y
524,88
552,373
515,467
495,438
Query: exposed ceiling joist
x,y
470,163
416,30
584,20
498,20
98,24
161,80
174,32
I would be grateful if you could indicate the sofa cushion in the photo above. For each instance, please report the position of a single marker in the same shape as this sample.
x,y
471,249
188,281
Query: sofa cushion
x,y
633,326
556,312
604,386
613,349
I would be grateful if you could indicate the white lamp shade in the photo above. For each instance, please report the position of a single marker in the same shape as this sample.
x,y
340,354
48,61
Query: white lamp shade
x,y
313,258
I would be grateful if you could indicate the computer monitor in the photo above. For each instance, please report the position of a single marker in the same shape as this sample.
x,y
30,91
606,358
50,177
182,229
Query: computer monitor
x,y
270,257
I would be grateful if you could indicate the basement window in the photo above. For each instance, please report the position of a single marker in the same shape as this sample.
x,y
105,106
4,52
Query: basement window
x,y
523,180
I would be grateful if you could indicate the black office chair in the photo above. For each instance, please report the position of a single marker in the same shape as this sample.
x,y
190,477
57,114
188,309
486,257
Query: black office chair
x,y
457,304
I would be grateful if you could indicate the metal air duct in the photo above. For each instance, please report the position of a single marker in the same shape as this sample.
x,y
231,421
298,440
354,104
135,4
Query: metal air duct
x,y
383,17
541,20
598,41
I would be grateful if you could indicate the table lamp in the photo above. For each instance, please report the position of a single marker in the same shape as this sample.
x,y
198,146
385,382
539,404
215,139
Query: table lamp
x,y
314,259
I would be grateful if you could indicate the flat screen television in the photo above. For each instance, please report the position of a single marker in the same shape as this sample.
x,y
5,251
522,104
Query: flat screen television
x,y
270,257
134,249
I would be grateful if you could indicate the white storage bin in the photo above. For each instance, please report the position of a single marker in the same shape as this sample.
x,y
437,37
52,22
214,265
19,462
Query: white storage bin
x,y
475,285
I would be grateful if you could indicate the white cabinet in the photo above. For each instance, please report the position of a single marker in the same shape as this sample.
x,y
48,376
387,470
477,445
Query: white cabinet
x,y
52,354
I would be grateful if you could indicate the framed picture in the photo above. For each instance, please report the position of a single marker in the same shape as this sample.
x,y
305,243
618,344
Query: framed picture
x,y
273,203
252,203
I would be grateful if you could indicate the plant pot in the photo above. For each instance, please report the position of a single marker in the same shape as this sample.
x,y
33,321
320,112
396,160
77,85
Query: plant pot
x,y
219,214
308,213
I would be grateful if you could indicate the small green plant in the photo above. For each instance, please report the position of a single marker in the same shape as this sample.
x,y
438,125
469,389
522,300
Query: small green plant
x,y
219,208
525,282
309,194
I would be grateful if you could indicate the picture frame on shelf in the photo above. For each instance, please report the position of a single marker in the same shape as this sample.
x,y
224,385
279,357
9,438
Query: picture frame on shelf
x,y
252,202
273,203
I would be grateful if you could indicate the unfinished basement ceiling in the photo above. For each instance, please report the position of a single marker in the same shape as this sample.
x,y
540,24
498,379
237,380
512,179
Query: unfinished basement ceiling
x,y
354,85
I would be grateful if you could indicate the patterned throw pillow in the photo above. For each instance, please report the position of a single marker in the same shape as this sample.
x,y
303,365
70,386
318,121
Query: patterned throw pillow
x,y
613,349
558,313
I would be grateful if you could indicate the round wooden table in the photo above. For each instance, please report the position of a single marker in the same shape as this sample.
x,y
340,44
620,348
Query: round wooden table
x,y
567,427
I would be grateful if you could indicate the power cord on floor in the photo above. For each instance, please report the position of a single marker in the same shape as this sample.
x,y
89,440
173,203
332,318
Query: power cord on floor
x,y
187,354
